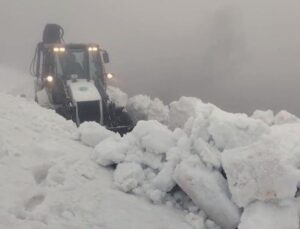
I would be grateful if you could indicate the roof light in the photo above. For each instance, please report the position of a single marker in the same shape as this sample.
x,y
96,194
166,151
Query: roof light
x,y
56,49
62,49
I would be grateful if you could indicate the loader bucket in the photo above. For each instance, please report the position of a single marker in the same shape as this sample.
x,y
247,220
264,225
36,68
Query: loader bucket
x,y
122,130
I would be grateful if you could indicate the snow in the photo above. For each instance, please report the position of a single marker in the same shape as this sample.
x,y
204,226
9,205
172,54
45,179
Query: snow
x,y
91,133
267,169
225,129
186,165
285,117
186,108
275,215
48,179
208,189
265,116
118,97
141,107
233,130
128,176
153,136
110,152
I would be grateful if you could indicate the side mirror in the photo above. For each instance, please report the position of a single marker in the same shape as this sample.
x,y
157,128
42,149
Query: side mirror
x,y
105,57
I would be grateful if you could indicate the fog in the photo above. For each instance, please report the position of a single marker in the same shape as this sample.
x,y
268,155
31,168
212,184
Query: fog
x,y
239,55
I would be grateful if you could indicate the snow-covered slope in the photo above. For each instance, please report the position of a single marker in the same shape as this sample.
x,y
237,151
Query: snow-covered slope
x,y
236,170
186,165
47,179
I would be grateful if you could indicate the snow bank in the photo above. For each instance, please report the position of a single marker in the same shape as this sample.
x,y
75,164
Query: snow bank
x,y
141,107
265,116
234,130
152,159
202,146
118,97
275,215
270,119
285,117
91,133
267,169
49,181
185,108
128,176
142,159
208,189
225,130
190,156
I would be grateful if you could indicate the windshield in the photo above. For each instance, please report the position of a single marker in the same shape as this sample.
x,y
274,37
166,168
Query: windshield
x,y
80,62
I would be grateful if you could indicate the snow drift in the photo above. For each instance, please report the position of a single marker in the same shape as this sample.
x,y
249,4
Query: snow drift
x,y
222,170
210,163
49,181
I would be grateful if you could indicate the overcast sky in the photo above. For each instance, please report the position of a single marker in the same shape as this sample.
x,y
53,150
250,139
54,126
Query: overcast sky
x,y
238,54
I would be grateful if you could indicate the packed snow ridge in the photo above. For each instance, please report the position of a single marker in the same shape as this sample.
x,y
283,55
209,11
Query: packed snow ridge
x,y
224,170
201,168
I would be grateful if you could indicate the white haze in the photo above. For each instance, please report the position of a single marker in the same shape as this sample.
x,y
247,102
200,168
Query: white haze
x,y
240,55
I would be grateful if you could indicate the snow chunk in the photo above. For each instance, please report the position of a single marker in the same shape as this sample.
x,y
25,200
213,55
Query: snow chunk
x,y
198,128
141,107
154,136
267,169
110,151
118,97
233,130
265,116
185,108
222,129
164,180
91,133
285,117
207,189
197,221
138,107
128,176
210,156
275,215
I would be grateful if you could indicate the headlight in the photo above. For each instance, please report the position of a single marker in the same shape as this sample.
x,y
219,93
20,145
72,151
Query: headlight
x,y
49,79
93,49
109,76
59,49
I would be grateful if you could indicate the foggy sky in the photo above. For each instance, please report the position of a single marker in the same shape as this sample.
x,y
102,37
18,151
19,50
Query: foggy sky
x,y
240,55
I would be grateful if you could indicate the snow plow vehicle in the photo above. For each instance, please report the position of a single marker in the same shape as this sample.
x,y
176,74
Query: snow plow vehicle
x,y
71,79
